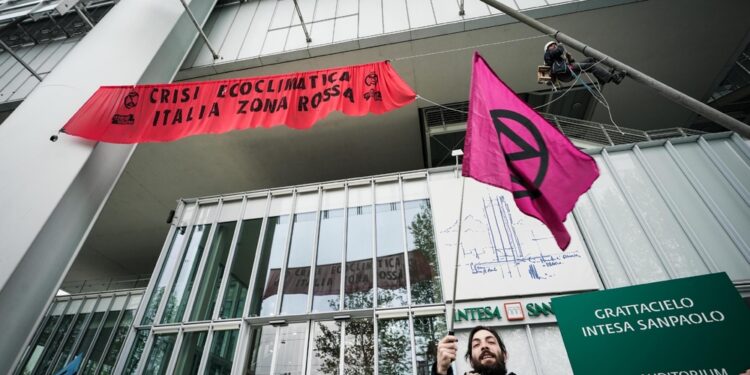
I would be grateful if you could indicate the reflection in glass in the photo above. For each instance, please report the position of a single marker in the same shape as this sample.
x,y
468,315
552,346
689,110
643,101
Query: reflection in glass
x,y
390,244
269,267
213,272
191,351
289,360
423,265
88,336
167,269
260,350
394,347
116,345
428,330
326,348
327,282
135,352
359,347
67,349
297,277
101,341
40,344
242,265
161,352
359,258
222,353
54,344
183,284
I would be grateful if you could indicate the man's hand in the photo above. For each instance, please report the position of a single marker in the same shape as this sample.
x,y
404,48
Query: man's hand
x,y
746,372
446,353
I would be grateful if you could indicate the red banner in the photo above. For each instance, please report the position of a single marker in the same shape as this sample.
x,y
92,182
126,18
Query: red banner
x,y
166,112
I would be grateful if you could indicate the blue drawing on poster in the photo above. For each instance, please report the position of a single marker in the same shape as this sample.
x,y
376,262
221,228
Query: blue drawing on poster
x,y
506,256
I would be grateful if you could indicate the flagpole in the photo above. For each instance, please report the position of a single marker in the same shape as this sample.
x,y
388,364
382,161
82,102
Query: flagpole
x,y
458,249
670,93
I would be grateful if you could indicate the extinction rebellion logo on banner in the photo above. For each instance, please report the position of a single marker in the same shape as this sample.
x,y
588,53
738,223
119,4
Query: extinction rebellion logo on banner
x,y
166,112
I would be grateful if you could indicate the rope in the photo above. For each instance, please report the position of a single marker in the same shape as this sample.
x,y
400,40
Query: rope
x,y
470,47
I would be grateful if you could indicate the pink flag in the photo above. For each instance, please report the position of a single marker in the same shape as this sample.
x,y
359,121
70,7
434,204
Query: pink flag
x,y
510,146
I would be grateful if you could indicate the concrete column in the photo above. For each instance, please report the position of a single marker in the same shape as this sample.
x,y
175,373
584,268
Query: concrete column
x,y
51,193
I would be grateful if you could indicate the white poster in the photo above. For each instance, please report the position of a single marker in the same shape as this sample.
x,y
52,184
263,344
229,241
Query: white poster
x,y
503,252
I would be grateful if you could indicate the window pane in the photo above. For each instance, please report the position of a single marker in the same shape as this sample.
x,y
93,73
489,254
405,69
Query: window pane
x,y
326,348
359,258
75,333
54,344
40,344
101,341
423,264
428,330
269,267
289,360
297,277
260,350
359,347
165,274
242,265
213,272
114,348
327,283
191,352
135,352
394,347
390,244
183,284
161,352
88,337
222,353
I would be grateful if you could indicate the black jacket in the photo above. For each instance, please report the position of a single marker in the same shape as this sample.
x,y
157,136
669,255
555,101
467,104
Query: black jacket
x,y
555,59
450,370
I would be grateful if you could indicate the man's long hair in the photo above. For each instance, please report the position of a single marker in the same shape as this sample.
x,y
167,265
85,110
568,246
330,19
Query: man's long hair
x,y
492,331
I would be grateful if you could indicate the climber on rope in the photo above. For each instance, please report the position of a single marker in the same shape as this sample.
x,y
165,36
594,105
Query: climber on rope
x,y
563,68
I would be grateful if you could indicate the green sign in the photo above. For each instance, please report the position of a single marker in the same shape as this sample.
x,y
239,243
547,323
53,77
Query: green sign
x,y
692,326
478,313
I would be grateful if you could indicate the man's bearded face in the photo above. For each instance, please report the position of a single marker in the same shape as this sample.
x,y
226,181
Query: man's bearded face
x,y
486,355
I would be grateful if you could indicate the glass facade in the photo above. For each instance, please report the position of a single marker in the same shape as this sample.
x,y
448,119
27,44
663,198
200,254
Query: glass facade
x,y
299,275
92,327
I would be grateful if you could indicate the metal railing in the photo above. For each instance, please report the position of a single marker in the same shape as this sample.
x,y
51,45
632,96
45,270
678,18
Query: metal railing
x,y
610,135
109,284
440,120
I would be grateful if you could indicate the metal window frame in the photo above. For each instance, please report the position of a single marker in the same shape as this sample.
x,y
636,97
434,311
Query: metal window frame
x,y
113,334
229,262
178,260
169,288
25,356
285,258
202,264
256,260
133,331
52,335
86,323
148,347
198,278
314,255
100,328
66,335
319,224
